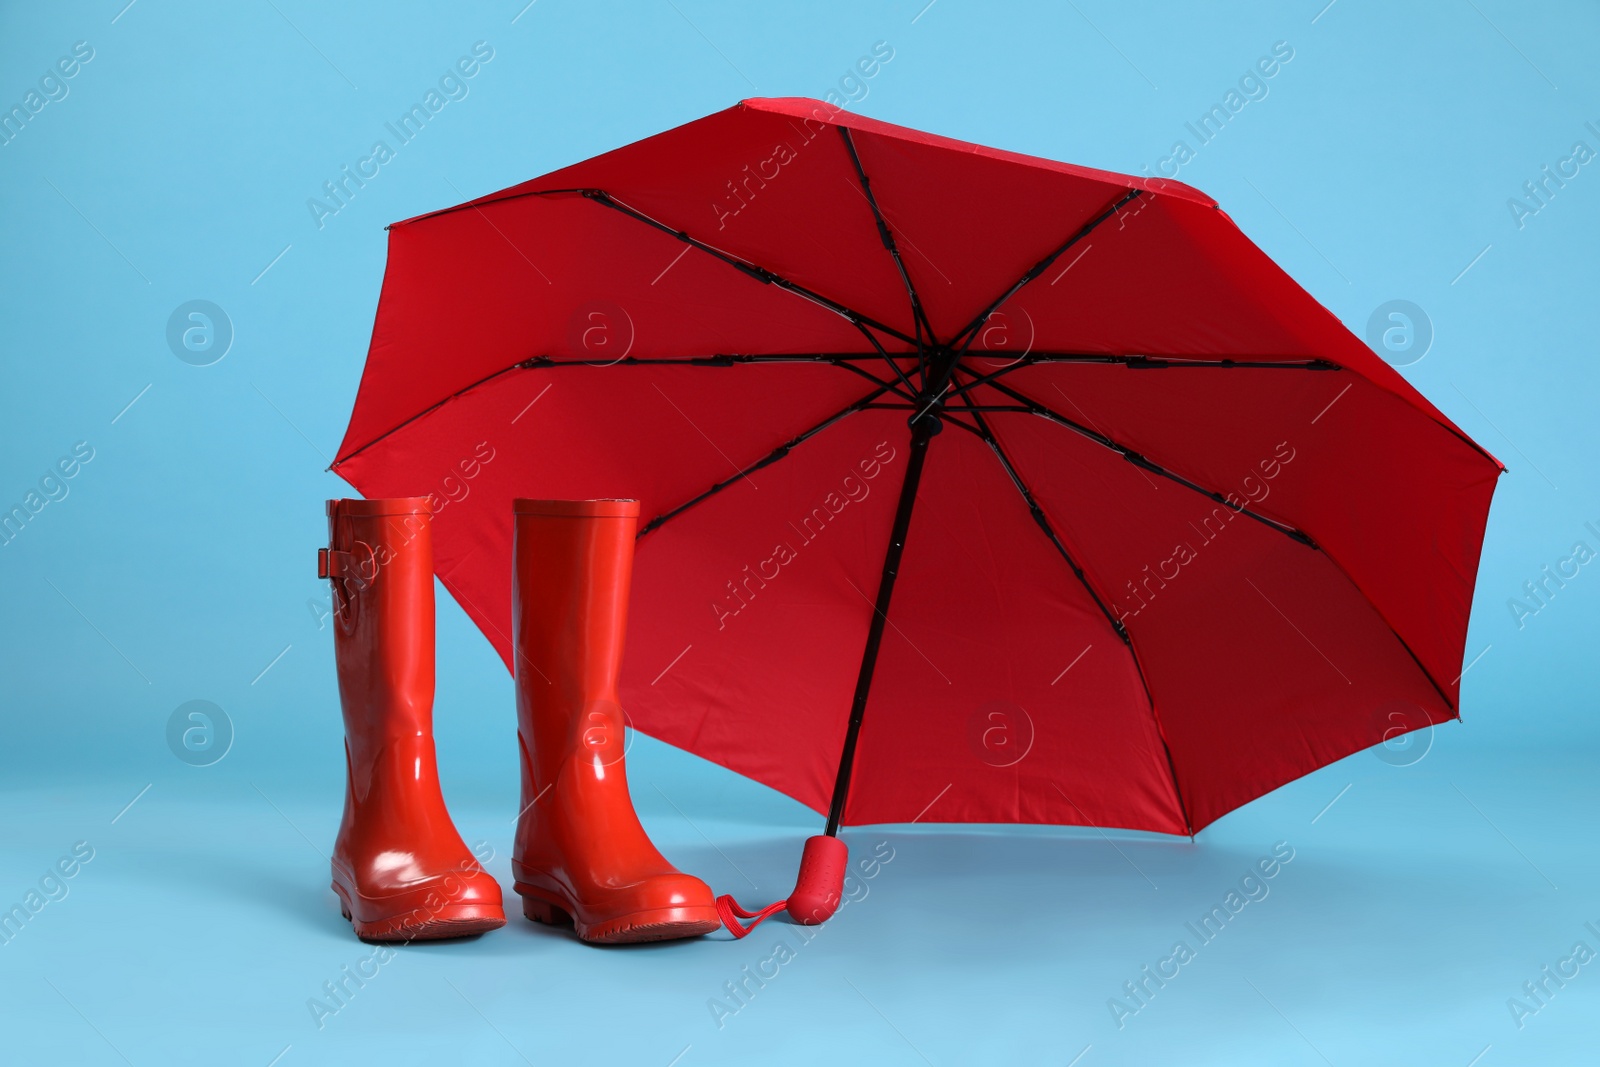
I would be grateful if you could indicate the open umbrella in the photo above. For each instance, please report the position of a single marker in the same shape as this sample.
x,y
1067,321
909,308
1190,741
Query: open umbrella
x,y
981,488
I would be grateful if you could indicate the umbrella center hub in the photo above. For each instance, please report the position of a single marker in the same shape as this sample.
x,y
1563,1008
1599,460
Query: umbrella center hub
x,y
937,381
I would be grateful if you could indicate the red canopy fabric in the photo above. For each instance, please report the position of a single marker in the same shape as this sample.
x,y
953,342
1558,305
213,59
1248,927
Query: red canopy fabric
x,y
1278,536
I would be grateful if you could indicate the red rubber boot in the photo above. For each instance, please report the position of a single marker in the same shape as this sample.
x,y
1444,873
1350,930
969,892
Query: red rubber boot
x,y
581,855
400,869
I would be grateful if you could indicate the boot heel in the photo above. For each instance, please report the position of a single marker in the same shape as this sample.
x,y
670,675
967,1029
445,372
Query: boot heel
x,y
542,911
344,905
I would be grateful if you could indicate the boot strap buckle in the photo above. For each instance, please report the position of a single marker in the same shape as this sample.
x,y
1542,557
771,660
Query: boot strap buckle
x,y
332,563
360,566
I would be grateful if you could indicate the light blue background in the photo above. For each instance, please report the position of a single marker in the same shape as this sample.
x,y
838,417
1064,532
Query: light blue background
x,y
180,564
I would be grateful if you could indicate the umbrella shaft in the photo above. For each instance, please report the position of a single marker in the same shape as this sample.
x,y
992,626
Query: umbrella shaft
x,y
922,430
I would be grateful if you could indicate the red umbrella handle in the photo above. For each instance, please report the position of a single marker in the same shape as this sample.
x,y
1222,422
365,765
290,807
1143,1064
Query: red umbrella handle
x,y
818,889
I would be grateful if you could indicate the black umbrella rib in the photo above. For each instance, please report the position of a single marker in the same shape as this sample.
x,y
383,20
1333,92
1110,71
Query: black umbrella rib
x,y
1118,625
966,336
884,353
887,237
1138,459
768,460
1028,406
483,203
874,378
759,273
719,360
843,360
486,379
1043,522
1044,359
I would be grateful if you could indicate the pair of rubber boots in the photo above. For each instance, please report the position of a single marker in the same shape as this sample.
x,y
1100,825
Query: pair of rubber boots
x,y
400,868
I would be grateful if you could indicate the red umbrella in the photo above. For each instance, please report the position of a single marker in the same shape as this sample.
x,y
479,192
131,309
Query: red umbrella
x,y
1160,534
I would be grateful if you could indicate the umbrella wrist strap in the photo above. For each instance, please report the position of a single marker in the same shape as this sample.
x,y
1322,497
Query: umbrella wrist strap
x,y
730,912
818,890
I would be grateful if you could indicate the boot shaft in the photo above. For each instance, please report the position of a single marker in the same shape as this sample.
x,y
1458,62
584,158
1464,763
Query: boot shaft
x,y
573,563
380,563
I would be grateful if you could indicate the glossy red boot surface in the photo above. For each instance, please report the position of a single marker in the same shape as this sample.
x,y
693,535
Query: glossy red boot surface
x,y
581,855
400,869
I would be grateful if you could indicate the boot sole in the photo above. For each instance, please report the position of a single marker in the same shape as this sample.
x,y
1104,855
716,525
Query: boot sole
x,y
652,924
450,921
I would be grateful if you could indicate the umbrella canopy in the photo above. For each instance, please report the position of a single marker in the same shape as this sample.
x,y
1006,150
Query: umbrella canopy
x,y
984,488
